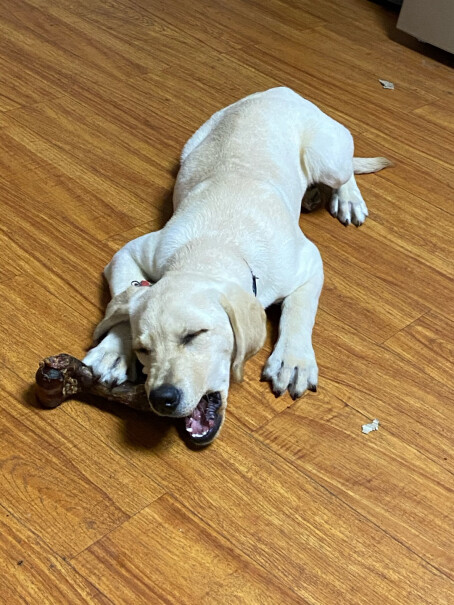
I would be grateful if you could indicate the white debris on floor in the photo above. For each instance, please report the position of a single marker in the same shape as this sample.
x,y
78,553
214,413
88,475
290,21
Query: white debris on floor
x,y
387,84
372,426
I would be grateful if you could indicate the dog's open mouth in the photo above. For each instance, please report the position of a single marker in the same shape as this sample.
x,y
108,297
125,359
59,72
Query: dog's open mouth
x,y
205,421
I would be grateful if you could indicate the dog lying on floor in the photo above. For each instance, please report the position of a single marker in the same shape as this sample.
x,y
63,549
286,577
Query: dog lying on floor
x,y
232,248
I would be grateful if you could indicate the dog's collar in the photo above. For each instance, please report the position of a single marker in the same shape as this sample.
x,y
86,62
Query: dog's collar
x,y
254,283
254,278
146,283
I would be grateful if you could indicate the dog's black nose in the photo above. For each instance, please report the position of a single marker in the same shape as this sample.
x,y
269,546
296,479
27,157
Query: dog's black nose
x,y
165,398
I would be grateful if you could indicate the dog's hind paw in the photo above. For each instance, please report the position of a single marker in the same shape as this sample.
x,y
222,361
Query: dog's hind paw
x,y
348,206
312,199
293,372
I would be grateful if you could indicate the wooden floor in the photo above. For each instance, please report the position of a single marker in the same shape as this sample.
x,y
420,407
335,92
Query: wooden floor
x,y
293,504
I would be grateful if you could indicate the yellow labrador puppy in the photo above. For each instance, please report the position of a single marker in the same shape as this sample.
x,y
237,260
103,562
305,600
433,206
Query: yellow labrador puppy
x,y
232,248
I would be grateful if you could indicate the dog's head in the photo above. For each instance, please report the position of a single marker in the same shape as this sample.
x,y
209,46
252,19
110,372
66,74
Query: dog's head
x,y
189,334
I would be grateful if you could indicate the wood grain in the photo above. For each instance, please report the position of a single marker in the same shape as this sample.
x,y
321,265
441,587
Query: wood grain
x,y
33,573
438,113
286,522
369,476
50,493
429,344
293,504
380,384
211,566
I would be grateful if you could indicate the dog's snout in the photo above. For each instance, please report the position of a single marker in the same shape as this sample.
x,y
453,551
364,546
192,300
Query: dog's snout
x,y
165,399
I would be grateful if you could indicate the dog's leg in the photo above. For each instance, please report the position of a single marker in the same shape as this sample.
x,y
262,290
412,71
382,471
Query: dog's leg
x,y
328,159
133,262
113,360
292,364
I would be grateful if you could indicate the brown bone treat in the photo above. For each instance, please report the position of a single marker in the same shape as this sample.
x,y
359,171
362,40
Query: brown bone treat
x,y
62,376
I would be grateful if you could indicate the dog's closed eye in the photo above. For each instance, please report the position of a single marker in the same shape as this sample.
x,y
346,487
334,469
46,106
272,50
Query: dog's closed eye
x,y
187,338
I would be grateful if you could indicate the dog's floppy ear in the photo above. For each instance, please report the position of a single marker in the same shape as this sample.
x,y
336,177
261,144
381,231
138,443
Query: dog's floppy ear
x,y
248,320
117,311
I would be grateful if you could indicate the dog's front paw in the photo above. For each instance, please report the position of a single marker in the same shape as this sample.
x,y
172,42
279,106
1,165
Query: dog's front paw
x,y
348,206
112,360
292,370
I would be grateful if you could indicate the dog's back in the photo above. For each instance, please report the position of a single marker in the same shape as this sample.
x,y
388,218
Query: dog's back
x,y
259,138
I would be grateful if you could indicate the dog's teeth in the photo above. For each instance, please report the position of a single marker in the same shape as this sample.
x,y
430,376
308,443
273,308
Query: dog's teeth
x,y
189,429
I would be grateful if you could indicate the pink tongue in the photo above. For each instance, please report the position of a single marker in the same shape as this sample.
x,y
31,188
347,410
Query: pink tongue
x,y
197,428
198,421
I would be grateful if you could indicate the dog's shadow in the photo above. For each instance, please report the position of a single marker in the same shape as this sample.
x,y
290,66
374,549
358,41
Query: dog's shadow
x,y
139,429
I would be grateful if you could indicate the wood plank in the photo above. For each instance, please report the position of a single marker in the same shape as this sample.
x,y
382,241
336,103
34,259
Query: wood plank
x,y
333,95
68,201
140,23
115,152
365,376
284,521
342,12
209,569
30,332
408,173
20,87
332,65
77,45
210,22
32,573
402,220
72,202
48,492
45,153
353,299
383,255
67,262
17,395
122,484
380,384
242,72
439,113
428,343
373,380
382,57
403,136
378,475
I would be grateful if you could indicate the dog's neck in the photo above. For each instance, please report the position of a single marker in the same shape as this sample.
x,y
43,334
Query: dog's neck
x,y
221,262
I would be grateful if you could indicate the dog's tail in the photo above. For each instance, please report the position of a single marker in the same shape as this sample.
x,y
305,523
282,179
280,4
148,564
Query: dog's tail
x,y
366,165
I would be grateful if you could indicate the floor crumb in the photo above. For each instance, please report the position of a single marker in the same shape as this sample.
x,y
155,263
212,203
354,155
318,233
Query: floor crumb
x,y
386,84
372,426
